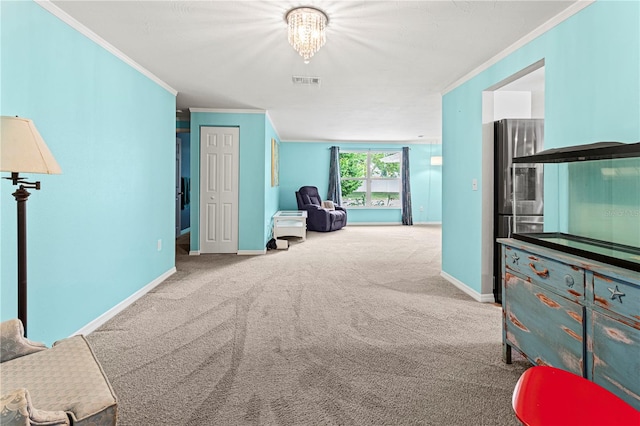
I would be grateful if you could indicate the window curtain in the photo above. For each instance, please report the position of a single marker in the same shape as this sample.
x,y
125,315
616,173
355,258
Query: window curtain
x,y
335,191
407,217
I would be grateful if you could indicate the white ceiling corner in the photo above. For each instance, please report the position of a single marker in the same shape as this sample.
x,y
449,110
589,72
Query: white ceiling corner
x,y
382,70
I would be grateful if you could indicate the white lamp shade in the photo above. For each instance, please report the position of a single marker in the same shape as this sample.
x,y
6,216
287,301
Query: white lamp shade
x,y
436,160
23,150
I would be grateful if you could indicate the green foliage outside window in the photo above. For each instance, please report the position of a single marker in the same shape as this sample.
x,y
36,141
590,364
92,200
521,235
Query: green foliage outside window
x,y
382,168
354,176
352,165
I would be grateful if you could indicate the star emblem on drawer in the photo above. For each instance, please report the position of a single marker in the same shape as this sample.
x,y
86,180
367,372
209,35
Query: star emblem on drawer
x,y
616,293
515,258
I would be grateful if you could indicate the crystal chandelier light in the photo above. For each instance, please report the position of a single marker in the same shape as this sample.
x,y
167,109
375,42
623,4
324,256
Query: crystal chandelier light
x,y
306,30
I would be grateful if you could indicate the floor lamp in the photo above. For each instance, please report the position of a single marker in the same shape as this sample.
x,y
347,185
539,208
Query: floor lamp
x,y
22,150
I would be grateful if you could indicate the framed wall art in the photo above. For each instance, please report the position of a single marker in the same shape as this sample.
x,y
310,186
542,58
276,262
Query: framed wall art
x,y
275,163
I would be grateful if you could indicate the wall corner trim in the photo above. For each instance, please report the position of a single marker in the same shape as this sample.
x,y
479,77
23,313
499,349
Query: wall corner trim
x,y
272,124
562,16
194,253
482,298
93,325
73,23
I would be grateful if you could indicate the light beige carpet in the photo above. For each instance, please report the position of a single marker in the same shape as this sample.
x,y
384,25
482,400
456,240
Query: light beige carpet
x,y
353,327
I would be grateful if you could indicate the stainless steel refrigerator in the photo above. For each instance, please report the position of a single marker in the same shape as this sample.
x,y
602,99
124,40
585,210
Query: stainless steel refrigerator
x,y
515,138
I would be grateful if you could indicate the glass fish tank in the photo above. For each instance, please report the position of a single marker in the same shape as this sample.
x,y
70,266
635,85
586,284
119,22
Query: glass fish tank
x,y
591,202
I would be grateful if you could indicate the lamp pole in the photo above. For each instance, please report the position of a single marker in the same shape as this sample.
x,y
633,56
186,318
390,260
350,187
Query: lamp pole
x,y
23,150
21,195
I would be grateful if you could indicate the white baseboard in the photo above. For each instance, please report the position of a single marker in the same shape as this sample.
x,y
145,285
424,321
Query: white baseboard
x,y
389,223
240,252
124,304
374,223
482,298
251,252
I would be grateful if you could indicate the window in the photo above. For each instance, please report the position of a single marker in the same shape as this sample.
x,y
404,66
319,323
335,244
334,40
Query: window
x,y
370,179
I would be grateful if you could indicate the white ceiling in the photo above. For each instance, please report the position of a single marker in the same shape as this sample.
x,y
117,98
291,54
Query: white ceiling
x,y
382,70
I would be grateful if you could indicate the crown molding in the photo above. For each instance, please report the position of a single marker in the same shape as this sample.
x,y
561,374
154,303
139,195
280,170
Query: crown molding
x,y
73,23
562,16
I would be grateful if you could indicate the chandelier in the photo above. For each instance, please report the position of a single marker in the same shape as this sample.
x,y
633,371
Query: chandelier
x,y
306,30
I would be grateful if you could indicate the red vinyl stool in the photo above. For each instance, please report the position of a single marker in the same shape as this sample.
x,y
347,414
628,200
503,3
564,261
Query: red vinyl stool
x,y
546,396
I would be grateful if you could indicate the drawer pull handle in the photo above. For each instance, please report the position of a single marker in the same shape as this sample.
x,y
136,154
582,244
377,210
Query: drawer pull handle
x,y
616,293
568,280
542,274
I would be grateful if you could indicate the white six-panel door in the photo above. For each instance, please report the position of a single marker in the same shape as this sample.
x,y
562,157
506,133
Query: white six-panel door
x,y
219,159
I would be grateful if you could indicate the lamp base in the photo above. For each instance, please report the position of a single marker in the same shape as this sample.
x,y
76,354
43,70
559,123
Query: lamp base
x,y
22,195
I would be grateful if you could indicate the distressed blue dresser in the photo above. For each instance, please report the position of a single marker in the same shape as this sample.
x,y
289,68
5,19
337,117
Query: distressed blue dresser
x,y
573,313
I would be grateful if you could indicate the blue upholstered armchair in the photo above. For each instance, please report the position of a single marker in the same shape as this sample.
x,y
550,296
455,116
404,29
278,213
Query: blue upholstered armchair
x,y
320,218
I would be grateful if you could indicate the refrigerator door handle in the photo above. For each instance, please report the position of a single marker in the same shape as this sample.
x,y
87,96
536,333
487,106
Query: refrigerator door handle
x,y
509,221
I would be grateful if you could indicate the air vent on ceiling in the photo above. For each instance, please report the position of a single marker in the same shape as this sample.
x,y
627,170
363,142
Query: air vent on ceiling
x,y
310,81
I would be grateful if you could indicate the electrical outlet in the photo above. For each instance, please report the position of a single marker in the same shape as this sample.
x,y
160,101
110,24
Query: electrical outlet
x,y
421,208
159,244
474,185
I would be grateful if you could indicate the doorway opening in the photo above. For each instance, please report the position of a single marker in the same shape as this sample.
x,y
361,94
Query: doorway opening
x,y
183,181
518,97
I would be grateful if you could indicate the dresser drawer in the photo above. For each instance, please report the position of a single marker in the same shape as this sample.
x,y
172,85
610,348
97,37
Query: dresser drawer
x,y
615,362
617,296
545,326
566,279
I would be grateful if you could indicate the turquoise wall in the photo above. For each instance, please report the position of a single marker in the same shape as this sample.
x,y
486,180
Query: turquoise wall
x,y
592,93
93,230
255,166
307,163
